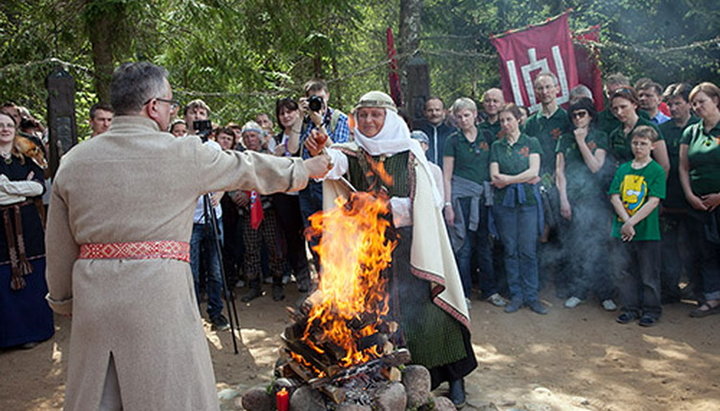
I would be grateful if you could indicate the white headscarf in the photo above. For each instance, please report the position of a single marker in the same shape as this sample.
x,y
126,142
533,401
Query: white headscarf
x,y
393,138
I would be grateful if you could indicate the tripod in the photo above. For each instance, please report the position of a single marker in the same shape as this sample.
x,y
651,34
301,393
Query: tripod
x,y
209,215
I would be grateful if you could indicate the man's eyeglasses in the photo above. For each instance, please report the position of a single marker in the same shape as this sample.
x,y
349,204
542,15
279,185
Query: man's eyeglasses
x,y
174,104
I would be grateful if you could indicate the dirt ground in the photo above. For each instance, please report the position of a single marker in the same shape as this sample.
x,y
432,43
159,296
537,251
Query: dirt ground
x,y
576,359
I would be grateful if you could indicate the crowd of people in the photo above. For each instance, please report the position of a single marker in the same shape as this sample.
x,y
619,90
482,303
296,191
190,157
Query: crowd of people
x,y
620,205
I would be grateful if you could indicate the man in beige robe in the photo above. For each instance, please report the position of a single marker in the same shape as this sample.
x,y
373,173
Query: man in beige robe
x,y
137,341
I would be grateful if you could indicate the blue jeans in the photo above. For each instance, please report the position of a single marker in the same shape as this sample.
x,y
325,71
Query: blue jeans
x,y
518,230
479,243
202,241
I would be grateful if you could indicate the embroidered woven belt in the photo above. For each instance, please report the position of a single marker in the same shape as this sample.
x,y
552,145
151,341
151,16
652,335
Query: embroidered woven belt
x,y
140,250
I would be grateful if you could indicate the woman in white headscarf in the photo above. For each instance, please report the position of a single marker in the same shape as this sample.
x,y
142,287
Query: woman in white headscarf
x,y
428,298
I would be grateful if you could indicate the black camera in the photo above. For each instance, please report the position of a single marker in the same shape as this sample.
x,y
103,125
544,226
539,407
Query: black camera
x,y
315,103
203,128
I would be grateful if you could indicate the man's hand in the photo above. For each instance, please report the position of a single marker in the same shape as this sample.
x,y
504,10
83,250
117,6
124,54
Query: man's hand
x,y
315,142
711,201
697,203
318,166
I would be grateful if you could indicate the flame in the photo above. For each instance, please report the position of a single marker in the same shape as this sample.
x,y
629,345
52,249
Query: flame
x,y
353,251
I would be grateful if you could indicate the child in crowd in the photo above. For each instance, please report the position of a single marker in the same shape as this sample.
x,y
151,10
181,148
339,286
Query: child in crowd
x,y
635,192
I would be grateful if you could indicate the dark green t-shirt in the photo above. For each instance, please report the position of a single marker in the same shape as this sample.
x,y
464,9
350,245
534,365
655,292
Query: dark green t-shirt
x,y
704,158
548,130
513,160
635,187
620,142
580,180
607,121
673,134
493,130
471,159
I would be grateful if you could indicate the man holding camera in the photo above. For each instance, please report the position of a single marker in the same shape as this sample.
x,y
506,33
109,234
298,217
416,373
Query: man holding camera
x,y
319,116
196,115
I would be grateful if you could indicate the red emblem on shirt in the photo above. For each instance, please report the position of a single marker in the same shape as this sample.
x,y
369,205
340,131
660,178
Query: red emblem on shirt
x,y
524,151
484,146
592,146
556,133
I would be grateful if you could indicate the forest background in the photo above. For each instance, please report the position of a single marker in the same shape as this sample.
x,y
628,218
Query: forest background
x,y
240,55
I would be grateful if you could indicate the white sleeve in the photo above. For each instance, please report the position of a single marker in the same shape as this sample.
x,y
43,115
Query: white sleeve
x,y
402,211
340,164
25,188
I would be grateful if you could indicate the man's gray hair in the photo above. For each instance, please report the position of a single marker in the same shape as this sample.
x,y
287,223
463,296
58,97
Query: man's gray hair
x,y
548,74
133,84
580,91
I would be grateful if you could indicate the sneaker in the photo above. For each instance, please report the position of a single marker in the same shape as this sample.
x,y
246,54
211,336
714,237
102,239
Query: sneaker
x,y
268,279
537,307
277,293
469,303
609,305
573,302
496,300
220,323
647,321
513,306
626,317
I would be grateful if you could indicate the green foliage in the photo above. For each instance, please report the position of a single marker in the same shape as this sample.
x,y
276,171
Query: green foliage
x,y
638,38
240,55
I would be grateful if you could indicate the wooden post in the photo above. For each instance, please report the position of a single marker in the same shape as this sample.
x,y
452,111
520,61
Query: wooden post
x,y
61,115
418,87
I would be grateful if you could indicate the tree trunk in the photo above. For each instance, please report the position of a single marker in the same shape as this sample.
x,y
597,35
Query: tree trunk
x,y
102,55
409,36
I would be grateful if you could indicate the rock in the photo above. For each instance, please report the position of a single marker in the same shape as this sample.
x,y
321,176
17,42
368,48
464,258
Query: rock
x,y
391,398
228,394
352,407
444,404
257,399
416,379
306,399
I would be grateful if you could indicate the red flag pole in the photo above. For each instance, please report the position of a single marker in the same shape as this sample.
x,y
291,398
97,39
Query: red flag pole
x,y
393,76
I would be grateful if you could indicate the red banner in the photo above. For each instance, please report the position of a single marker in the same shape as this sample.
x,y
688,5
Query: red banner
x,y
393,77
588,63
526,53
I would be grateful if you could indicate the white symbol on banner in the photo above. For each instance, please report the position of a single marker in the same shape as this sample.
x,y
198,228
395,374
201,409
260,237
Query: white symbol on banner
x,y
537,65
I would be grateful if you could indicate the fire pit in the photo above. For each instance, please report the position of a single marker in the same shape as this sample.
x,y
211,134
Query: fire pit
x,y
343,350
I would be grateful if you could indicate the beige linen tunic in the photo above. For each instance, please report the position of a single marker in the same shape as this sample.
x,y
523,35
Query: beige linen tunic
x,y
135,183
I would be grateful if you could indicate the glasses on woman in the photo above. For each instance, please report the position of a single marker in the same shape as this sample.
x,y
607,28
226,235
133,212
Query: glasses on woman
x,y
579,114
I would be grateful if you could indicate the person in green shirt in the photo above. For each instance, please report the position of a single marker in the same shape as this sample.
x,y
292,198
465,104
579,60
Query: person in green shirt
x,y
468,200
624,104
550,122
492,102
674,215
635,193
580,156
699,172
514,169
607,121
